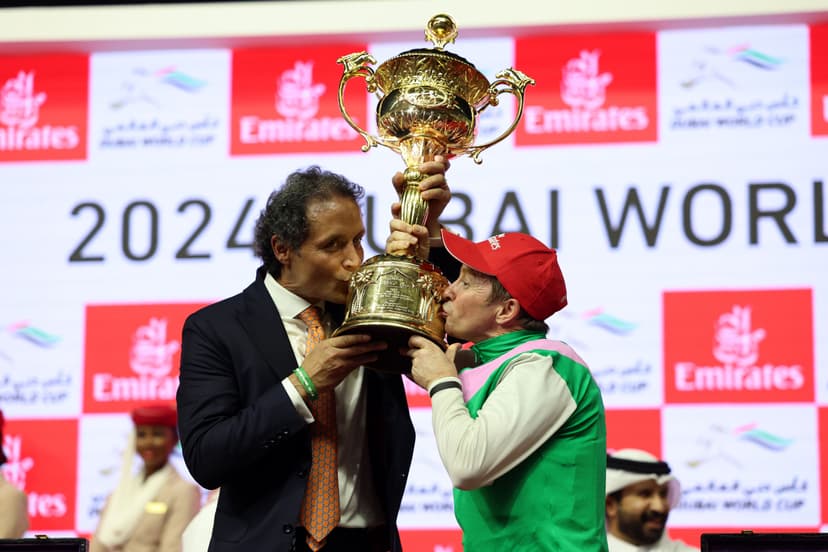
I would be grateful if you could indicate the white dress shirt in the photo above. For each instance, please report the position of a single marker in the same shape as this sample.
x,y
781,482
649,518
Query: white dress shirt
x,y
357,499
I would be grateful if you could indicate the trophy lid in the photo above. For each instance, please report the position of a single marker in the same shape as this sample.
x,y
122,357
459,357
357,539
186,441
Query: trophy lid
x,y
435,52
434,66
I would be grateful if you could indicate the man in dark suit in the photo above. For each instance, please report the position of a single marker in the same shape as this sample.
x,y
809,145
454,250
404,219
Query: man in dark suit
x,y
259,391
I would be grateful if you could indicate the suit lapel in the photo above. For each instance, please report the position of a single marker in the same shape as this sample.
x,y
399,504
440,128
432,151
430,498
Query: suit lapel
x,y
261,320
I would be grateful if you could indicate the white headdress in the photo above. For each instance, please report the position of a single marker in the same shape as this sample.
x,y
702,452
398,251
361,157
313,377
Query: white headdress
x,y
628,466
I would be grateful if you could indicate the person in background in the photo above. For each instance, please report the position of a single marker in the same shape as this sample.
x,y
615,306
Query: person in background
x,y
310,449
148,510
522,430
14,513
640,493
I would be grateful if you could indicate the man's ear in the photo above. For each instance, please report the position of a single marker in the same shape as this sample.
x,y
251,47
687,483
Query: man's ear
x,y
508,312
611,506
280,250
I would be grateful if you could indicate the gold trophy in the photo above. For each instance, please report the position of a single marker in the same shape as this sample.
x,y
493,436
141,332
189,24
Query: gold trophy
x,y
429,101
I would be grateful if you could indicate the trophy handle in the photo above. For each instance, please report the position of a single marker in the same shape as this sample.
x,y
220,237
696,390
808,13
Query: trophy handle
x,y
515,83
357,65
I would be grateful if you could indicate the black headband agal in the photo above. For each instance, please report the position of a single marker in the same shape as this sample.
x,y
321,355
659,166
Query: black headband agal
x,y
637,466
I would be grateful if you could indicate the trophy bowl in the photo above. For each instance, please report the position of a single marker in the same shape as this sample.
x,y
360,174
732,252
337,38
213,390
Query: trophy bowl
x,y
429,103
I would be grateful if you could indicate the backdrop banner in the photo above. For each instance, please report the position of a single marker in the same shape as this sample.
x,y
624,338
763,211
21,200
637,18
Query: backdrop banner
x,y
681,175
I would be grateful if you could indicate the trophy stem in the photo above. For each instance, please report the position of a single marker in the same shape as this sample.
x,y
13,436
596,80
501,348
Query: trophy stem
x,y
417,149
414,209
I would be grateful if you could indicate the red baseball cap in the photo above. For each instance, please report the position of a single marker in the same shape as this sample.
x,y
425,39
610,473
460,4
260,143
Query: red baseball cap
x,y
525,267
155,414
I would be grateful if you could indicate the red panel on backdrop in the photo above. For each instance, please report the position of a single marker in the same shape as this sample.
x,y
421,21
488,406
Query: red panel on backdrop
x,y
132,354
639,429
42,460
589,89
822,425
433,540
738,346
819,80
285,101
416,395
43,107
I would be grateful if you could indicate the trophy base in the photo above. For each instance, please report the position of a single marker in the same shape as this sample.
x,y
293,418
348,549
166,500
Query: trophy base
x,y
391,298
390,360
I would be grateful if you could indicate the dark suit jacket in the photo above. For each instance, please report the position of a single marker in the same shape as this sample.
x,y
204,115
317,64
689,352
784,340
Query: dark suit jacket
x,y
240,431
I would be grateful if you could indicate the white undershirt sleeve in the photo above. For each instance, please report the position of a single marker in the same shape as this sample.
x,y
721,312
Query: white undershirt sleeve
x,y
297,400
528,405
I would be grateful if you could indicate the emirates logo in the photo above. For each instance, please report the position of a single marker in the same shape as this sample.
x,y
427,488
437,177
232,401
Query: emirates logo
x,y
19,102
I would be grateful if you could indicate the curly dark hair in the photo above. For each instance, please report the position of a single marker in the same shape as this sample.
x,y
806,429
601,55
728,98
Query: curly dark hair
x,y
285,215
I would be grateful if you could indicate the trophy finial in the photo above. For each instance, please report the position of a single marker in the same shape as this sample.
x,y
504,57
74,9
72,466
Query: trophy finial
x,y
441,30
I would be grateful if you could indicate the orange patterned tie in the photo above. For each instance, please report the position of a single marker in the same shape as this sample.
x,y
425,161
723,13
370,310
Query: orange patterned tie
x,y
320,509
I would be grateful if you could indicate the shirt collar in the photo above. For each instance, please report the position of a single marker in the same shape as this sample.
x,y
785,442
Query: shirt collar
x,y
493,347
287,303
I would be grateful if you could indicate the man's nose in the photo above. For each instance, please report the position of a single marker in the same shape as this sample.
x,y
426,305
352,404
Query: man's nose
x,y
659,504
353,258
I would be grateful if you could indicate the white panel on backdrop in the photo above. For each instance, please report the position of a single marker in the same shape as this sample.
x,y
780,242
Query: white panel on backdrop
x,y
165,106
821,341
428,500
733,86
748,466
622,352
41,356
